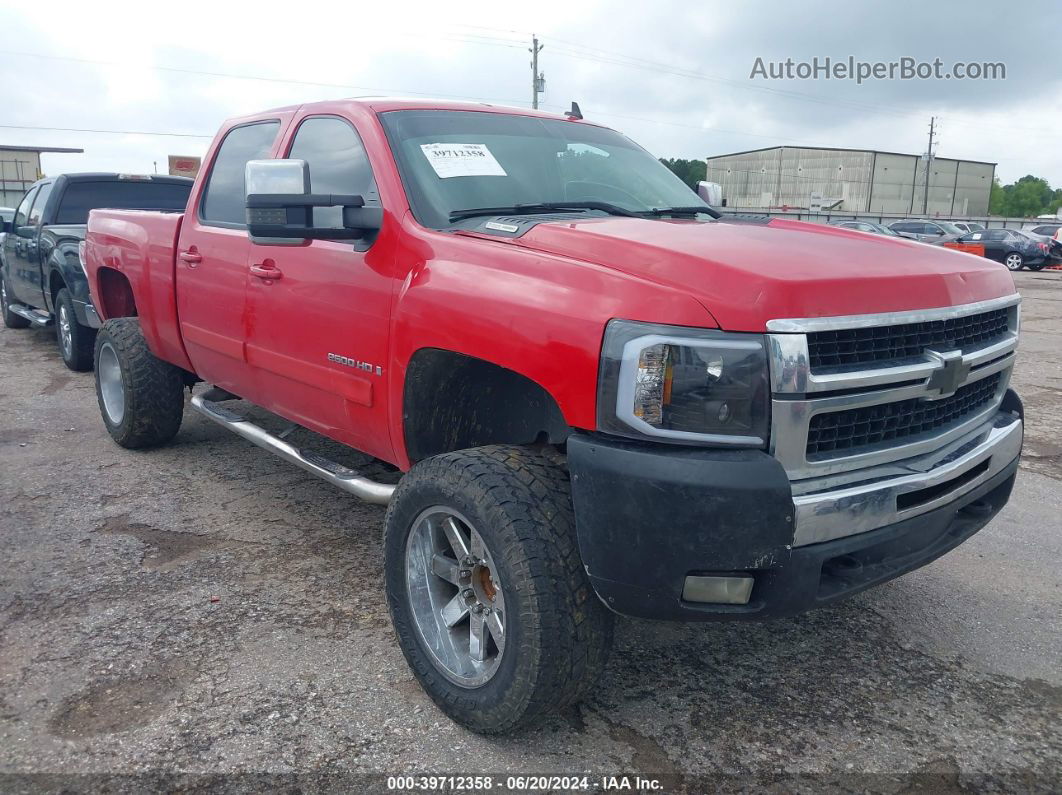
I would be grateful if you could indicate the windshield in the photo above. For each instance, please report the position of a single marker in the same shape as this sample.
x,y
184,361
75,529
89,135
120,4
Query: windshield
x,y
951,229
459,160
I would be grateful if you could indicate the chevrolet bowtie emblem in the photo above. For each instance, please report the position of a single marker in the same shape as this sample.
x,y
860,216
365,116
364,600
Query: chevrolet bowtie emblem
x,y
951,375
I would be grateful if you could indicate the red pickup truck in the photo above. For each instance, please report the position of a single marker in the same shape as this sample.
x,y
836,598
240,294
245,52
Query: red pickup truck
x,y
603,397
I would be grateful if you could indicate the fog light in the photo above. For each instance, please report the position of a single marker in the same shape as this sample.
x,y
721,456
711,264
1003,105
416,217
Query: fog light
x,y
723,589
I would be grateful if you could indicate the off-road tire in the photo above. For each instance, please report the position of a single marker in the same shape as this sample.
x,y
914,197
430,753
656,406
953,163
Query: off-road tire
x,y
558,633
80,354
11,320
153,390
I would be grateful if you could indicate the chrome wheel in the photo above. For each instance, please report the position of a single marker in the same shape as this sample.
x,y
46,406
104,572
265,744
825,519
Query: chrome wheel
x,y
1014,262
456,598
109,373
66,333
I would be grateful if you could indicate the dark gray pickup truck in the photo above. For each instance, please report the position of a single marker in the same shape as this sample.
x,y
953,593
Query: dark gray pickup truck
x,y
41,279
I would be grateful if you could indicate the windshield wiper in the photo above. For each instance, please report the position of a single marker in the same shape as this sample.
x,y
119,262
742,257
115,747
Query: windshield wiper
x,y
525,209
691,210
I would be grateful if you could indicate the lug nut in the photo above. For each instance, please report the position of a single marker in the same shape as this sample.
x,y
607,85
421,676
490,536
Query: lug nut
x,y
468,593
477,608
466,573
470,561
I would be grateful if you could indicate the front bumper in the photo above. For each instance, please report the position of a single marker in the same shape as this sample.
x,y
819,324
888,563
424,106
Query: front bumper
x,y
649,515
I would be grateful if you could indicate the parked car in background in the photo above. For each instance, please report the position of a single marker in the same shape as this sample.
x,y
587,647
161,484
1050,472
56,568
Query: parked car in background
x,y
867,226
1013,248
1047,230
927,231
41,279
969,226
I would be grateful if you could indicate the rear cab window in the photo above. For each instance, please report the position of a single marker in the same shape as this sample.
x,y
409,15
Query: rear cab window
x,y
82,196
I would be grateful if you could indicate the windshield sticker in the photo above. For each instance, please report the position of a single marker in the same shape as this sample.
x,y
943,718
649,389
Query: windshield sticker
x,y
462,160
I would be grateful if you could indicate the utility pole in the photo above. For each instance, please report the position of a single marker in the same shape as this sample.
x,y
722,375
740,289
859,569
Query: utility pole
x,y
929,165
538,81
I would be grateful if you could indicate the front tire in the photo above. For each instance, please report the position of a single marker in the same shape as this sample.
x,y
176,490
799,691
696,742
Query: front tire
x,y
486,589
1014,261
76,342
11,320
141,397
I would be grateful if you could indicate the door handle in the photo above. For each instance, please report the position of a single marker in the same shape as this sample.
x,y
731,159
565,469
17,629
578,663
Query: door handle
x,y
267,270
191,257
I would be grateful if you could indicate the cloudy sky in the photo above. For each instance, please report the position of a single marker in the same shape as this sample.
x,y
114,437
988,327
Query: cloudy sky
x,y
672,75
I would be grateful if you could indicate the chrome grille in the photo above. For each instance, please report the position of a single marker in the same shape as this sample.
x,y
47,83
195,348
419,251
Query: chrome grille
x,y
899,384
846,432
855,347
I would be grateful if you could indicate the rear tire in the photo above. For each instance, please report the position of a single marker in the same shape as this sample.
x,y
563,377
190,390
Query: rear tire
x,y
76,342
1014,261
141,397
11,320
525,568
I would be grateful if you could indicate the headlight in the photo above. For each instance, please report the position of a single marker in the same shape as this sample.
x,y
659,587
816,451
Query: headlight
x,y
683,384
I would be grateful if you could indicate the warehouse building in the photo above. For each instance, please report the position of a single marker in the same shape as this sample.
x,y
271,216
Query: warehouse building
x,y
852,180
20,167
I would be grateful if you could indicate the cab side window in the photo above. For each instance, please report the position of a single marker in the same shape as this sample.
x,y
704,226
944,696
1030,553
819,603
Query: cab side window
x,y
38,204
224,199
22,213
338,164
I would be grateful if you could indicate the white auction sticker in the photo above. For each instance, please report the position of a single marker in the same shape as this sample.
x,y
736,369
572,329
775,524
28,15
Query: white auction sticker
x,y
462,160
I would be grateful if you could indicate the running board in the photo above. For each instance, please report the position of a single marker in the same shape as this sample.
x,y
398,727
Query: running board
x,y
336,474
38,317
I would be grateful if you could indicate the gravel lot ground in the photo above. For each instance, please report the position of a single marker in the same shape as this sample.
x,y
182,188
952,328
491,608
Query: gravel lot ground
x,y
208,610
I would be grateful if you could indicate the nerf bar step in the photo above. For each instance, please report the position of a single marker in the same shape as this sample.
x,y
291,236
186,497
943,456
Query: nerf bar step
x,y
336,474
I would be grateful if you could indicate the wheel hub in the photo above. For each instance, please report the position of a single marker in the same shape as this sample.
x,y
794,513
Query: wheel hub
x,y
65,332
109,379
455,597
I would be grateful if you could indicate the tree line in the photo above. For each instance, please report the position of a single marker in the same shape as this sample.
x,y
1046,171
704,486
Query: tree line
x,y
1026,198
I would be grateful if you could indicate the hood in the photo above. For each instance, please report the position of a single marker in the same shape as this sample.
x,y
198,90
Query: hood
x,y
748,273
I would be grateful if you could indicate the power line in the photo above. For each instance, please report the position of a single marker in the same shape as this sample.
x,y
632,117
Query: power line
x,y
583,52
259,78
114,132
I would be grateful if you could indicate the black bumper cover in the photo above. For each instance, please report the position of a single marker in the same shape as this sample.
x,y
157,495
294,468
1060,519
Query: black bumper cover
x,y
649,515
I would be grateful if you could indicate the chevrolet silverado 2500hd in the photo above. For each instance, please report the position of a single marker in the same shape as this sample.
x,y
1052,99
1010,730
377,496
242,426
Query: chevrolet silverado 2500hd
x,y
41,278
604,398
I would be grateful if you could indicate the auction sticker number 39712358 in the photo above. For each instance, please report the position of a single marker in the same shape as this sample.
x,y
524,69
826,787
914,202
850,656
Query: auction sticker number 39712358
x,y
462,160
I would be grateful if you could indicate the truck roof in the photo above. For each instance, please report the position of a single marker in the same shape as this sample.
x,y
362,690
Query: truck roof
x,y
384,104
96,176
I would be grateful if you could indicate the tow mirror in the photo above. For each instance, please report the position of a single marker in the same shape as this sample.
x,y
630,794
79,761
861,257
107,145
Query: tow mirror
x,y
280,207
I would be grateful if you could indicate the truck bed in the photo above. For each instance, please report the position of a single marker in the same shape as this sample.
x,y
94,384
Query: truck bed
x,y
137,249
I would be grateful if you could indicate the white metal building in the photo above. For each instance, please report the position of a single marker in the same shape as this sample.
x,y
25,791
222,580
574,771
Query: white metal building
x,y
852,180
20,167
